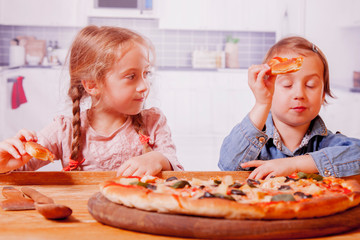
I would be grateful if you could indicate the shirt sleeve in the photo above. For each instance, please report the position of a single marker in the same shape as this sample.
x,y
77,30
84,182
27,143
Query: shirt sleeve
x,y
338,156
243,144
159,131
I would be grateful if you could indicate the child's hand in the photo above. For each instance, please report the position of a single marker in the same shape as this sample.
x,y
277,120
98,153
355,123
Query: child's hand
x,y
150,163
261,85
12,151
281,166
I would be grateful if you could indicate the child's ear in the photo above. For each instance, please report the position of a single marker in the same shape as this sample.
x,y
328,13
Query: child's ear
x,y
90,87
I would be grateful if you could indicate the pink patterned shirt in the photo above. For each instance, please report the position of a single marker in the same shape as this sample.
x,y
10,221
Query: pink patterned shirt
x,y
105,153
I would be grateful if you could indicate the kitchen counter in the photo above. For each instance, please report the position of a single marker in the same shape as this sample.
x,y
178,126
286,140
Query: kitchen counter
x,y
74,189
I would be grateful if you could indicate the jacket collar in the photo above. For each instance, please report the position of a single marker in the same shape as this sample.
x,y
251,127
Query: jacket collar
x,y
317,128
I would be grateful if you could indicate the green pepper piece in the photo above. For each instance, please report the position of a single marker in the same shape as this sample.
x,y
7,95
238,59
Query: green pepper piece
x,y
317,177
138,183
283,197
222,196
303,175
180,184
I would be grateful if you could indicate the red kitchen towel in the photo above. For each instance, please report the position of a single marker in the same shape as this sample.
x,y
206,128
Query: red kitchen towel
x,y
18,95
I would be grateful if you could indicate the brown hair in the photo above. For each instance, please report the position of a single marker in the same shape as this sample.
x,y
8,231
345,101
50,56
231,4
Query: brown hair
x,y
303,47
93,53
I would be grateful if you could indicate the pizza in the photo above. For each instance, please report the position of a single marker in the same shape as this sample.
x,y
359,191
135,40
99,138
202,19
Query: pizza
x,y
38,151
280,65
299,196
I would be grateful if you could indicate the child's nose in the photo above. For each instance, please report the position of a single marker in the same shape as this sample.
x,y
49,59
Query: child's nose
x,y
299,92
143,85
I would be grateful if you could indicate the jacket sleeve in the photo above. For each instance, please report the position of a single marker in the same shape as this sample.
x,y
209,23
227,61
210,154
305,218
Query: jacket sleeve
x,y
243,144
338,156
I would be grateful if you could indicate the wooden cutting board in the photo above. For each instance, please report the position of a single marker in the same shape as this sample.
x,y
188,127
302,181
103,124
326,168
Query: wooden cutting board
x,y
119,216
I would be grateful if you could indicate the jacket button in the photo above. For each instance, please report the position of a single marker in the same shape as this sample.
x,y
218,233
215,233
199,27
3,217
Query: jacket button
x,y
327,173
261,139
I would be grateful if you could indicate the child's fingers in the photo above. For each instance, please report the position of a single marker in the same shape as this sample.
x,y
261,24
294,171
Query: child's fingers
x,y
129,172
254,163
122,169
259,173
253,72
270,175
139,172
26,135
10,148
19,145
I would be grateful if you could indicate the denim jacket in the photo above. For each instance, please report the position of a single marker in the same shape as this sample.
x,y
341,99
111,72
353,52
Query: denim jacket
x,y
334,154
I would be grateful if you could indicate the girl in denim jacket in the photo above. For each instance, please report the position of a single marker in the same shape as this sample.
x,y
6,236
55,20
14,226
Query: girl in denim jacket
x,y
283,132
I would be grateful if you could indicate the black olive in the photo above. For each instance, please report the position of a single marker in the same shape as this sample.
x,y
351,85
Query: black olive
x,y
284,187
236,185
290,179
150,186
216,195
201,187
302,195
217,182
207,195
171,179
252,182
237,192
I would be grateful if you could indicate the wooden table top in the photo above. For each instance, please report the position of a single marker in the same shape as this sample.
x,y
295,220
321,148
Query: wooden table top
x,y
74,189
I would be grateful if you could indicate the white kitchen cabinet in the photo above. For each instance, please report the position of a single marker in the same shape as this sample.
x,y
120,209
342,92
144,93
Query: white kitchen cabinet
x,y
43,12
243,15
201,108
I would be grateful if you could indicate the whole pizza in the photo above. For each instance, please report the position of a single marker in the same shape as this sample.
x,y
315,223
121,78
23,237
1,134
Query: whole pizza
x,y
300,196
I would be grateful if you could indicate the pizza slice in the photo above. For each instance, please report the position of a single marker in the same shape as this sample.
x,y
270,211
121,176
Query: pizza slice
x,y
280,65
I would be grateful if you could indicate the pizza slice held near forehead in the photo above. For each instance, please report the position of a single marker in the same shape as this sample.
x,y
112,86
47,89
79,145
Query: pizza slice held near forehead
x,y
280,65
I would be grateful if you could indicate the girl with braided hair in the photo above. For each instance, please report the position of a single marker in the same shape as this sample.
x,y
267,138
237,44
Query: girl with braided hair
x,y
111,66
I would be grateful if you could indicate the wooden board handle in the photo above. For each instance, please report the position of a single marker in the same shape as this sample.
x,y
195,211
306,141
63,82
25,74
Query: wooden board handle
x,y
36,196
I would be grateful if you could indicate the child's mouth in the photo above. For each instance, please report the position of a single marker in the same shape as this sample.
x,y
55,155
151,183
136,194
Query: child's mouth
x,y
299,109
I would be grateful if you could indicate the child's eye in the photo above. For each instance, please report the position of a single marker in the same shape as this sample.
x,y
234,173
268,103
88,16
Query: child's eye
x,y
130,77
311,84
287,85
147,74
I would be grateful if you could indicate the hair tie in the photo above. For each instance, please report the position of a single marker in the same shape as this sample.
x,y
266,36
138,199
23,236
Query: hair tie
x,y
314,48
144,139
73,165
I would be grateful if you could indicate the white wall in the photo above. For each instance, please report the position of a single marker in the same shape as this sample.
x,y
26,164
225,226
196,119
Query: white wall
x,y
334,25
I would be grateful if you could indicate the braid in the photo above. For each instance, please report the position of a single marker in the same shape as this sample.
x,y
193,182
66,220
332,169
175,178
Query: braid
x,y
76,94
138,123
139,126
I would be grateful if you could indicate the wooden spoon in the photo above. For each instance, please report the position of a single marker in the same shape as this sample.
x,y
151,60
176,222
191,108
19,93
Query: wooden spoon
x,y
46,206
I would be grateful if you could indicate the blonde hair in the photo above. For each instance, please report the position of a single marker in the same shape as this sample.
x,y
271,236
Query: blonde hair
x,y
93,54
303,47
